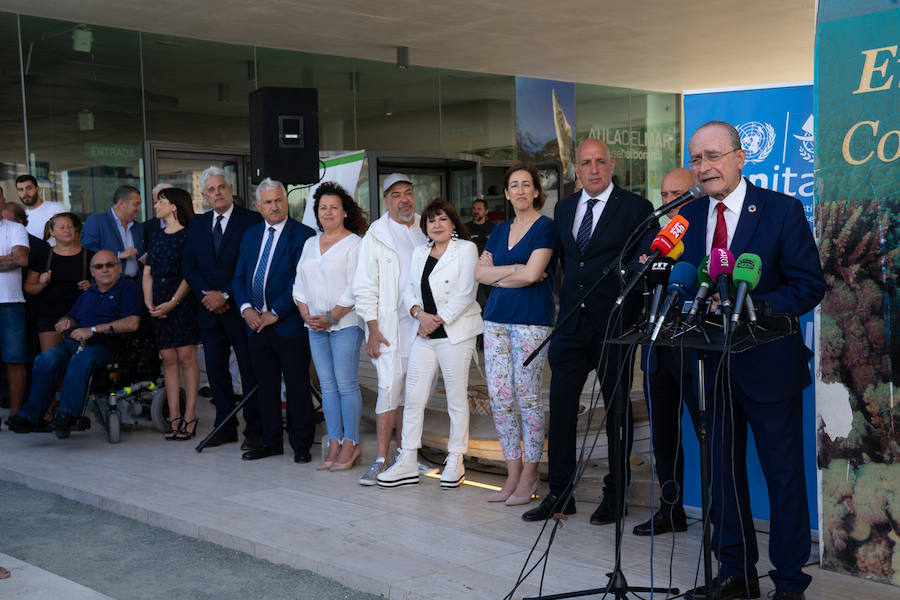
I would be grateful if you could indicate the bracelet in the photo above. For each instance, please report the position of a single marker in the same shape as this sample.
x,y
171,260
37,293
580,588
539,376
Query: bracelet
x,y
415,313
330,318
176,300
496,284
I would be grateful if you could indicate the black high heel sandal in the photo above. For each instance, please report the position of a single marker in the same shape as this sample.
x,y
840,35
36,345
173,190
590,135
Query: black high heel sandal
x,y
183,434
174,428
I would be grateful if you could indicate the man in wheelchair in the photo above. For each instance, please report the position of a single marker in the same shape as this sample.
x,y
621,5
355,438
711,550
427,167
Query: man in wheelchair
x,y
110,307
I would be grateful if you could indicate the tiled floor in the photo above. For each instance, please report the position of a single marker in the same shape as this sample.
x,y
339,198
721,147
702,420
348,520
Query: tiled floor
x,y
417,542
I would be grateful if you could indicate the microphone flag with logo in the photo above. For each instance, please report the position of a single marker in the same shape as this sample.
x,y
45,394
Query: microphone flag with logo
x,y
665,242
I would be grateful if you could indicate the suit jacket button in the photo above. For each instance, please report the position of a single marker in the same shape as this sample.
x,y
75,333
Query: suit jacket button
x,y
581,264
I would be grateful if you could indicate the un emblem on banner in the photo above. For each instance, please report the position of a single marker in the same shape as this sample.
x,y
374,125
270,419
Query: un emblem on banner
x,y
757,139
807,140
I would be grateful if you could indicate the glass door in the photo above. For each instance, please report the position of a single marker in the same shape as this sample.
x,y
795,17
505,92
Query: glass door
x,y
181,165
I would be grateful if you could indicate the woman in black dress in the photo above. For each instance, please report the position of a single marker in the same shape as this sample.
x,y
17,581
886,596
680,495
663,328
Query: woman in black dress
x,y
172,310
59,282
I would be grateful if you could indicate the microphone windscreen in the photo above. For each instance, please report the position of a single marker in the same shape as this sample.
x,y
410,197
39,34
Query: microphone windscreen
x,y
676,252
683,278
748,268
697,191
703,272
659,271
721,262
669,236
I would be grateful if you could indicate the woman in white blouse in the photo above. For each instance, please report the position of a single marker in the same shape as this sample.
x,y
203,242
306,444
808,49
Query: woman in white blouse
x,y
441,297
323,291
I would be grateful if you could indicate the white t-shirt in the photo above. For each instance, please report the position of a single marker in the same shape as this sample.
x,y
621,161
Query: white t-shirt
x,y
326,280
38,217
11,234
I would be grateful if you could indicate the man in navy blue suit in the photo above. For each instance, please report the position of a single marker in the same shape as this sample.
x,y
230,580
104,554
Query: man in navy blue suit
x,y
118,230
208,263
766,383
279,343
592,227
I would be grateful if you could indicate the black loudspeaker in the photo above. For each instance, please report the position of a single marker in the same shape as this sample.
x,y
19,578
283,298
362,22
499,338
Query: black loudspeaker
x,y
284,135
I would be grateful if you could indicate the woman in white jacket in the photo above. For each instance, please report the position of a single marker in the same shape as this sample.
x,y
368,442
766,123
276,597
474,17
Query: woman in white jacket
x,y
441,297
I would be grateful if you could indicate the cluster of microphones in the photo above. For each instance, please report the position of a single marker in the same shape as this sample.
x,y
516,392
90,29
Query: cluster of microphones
x,y
672,281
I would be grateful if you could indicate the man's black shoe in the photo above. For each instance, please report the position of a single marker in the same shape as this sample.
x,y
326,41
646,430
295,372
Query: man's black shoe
x,y
302,456
20,424
251,442
262,453
62,424
221,438
605,513
786,595
547,508
661,523
727,587
205,391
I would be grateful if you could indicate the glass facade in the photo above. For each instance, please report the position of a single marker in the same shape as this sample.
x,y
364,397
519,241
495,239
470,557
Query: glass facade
x,y
104,107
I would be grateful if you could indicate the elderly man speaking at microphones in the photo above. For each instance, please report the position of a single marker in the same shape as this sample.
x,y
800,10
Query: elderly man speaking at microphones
x,y
766,382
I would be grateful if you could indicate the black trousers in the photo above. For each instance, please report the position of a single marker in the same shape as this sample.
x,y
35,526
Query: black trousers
x,y
274,357
667,383
572,357
230,332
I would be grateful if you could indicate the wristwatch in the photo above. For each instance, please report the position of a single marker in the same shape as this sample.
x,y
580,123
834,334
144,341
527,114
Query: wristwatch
x,y
226,295
93,329
415,313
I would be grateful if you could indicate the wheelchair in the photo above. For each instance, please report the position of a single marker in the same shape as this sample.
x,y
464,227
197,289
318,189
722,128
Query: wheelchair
x,y
129,389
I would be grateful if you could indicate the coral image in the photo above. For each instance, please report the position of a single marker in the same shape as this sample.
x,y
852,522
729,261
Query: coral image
x,y
860,474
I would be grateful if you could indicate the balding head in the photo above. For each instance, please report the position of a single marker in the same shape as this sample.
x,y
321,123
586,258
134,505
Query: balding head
x,y
674,184
106,269
593,166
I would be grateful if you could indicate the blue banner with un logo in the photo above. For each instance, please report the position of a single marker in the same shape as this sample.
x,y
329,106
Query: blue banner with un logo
x,y
776,129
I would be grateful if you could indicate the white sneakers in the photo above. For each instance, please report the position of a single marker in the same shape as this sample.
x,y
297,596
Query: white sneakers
x,y
404,471
454,471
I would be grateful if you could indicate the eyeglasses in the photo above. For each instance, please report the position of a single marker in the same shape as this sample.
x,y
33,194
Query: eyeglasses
x,y
711,157
101,266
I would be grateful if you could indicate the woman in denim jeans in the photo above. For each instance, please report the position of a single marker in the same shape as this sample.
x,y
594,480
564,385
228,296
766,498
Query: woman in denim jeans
x,y
323,291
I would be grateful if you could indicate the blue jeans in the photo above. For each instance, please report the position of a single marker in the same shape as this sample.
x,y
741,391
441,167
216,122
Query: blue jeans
x,y
50,365
336,356
12,332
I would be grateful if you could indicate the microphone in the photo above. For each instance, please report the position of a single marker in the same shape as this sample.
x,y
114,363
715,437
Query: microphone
x,y
705,285
682,281
665,242
694,192
747,270
721,265
676,252
658,277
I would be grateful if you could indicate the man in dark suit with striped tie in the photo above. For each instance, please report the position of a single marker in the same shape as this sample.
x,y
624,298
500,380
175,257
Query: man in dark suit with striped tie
x,y
592,227
210,256
279,342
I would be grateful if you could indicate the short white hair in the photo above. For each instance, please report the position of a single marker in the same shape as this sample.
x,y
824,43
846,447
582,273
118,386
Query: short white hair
x,y
160,187
270,184
212,171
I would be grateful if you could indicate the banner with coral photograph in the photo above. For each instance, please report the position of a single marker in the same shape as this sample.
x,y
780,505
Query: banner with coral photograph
x,y
857,209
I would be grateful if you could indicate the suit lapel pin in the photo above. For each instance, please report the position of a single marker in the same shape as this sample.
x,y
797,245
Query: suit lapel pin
x,y
751,208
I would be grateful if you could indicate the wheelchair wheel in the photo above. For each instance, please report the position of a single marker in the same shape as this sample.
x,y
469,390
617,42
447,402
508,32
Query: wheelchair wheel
x,y
114,427
159,408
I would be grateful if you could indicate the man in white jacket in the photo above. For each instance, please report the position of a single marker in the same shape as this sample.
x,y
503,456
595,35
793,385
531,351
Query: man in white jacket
x,y
381,275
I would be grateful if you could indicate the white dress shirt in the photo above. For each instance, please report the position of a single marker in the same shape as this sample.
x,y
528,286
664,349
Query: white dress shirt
x,y
226,216
265,237
581,208
324,281
734,203
129,265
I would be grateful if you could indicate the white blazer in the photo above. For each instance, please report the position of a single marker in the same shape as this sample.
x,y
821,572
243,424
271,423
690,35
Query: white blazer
x,y
453,286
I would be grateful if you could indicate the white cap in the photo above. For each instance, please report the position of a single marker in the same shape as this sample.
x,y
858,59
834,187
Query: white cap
x,y
392,179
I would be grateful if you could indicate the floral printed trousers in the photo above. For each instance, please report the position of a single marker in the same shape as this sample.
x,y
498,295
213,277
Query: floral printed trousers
x,y
516,390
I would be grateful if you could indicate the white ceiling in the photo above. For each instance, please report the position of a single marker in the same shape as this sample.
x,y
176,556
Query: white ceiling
x,y
661,45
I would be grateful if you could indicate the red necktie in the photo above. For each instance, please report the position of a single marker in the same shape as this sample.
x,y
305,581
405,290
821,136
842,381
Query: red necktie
x,y
720,235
